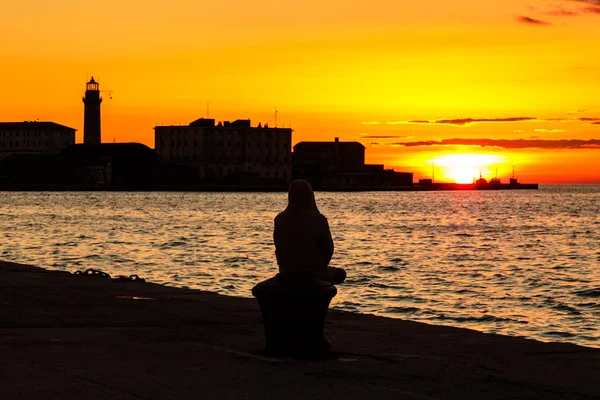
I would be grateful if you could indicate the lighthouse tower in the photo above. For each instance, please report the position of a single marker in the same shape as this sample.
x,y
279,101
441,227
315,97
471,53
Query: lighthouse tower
x,y
91,115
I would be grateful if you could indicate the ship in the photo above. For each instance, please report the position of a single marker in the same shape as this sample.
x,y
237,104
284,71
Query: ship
x,y
496,184
479,184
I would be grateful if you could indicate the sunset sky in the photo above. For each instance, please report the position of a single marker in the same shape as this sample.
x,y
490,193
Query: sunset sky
x,y
467,86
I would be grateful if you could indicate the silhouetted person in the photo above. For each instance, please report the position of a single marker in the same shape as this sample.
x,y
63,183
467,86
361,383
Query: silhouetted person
x,y
303,243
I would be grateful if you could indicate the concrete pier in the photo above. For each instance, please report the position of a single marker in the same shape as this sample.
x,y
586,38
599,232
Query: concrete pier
x,y
64,336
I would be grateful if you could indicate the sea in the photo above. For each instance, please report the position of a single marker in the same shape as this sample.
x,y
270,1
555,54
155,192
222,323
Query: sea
x,y
522,263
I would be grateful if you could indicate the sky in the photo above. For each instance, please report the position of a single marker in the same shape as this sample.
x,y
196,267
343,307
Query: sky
x,y
451,88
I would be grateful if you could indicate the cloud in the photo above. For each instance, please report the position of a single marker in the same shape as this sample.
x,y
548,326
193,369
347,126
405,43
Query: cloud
x,y
511,143
593,5
562,13
550,130
532,21
574,8
467,121
594,2
596,123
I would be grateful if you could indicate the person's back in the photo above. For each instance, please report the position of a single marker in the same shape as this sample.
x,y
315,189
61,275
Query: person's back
x,y
303,243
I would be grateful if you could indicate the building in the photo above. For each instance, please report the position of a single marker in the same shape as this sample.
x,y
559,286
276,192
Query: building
x,y
228,152
91,113
115,166
34,138
341,166
108,166
336,156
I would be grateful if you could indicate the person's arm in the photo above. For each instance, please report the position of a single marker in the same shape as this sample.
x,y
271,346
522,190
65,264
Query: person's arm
x,y
325,242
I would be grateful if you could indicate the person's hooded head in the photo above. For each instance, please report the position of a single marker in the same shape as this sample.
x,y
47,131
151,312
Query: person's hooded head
x,y
301,197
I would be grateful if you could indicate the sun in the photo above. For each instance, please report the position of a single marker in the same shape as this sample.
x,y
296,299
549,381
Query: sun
x,y
464,168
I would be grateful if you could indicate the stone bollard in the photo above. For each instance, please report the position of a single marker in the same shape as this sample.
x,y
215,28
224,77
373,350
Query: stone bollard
x,y
293,311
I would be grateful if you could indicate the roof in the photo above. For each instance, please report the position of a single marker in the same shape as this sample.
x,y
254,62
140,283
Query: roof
x,y
204,122
34,126
109,149
325,145
210,123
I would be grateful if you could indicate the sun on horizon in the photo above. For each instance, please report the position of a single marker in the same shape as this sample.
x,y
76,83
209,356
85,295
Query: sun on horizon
x,y
466,167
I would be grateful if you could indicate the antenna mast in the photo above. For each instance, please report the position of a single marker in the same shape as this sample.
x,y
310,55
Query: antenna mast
x,y
275,117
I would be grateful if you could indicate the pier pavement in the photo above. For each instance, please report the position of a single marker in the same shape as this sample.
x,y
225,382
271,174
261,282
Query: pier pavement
x,y
64,336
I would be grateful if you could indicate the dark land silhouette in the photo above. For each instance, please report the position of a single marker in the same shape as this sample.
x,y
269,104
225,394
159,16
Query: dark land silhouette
x,y
203,155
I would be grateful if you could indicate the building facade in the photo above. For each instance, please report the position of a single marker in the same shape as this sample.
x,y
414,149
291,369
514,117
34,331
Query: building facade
x,y
335,157
34,138
341,166
227,149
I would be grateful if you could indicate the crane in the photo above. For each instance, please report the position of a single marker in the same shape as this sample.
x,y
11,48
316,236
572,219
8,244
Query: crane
x,y
110,92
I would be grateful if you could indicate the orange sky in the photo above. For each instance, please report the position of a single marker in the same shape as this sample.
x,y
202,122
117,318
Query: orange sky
x,y
358,70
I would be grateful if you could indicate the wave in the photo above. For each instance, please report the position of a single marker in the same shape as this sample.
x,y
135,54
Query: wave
x,y
401,310
595,292
483,318
560,334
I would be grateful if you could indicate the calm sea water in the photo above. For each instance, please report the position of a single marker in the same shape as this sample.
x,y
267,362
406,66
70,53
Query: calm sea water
x,y
522,263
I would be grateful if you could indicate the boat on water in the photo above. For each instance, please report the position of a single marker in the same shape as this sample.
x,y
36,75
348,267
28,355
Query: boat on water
x,y
479,184
496,184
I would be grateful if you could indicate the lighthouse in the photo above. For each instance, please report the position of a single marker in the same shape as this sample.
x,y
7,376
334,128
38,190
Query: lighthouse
x,y
91,115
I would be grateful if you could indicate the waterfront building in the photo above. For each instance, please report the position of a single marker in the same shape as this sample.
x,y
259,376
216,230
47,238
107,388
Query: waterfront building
x,y
341,165
228,151
115,166
34,137
108,166
333,156
91,113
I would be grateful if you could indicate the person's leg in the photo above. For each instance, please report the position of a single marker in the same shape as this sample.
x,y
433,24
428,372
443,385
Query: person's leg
x,y
335,275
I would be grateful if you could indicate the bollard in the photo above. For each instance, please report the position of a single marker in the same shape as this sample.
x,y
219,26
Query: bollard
x,y
293,310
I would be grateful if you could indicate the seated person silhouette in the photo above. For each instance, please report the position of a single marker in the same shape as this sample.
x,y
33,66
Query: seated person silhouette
x,y
303,242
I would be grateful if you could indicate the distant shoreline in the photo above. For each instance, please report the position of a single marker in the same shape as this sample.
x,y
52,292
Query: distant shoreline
x,y
429,188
